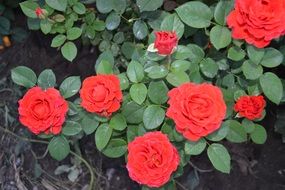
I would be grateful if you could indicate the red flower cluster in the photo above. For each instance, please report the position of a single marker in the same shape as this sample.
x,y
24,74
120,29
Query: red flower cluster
x,y
165,42
250,107
257,21
43,111
101,94
39,12
197,109
152,159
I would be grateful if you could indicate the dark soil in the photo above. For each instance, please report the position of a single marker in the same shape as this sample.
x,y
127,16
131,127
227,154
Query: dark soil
x,y
255,167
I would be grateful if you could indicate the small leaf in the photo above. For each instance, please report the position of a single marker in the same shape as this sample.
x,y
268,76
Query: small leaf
x,y
255,54
221,133
89,124
195,14
177,78
24,76
58,40
153,117
70,86
69,51
115,148
28,8
220,37
104,67
71,128
118,122
135,71
272,87
73,33
113,21
258,135
138,92
173,23
272,58
236,133
140,29
133,112
209,67
59,5
59,148
124,81
149,5
102,136
79,8
157,92
195,148
46,79
251,71
219,157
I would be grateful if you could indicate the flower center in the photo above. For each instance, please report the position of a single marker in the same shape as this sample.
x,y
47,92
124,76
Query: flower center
x,y
99,93
41,109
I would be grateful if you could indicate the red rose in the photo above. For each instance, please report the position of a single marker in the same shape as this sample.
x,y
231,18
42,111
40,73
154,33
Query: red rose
x,y
250,107
197,109
101,94
152,159
165,42
257,21
39,11
43,111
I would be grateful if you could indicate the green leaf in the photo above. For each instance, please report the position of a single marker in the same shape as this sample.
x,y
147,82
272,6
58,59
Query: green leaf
x,y
138,92
209,68
28,8
135,71
133,112
71,128
124,81
220,37
113,20
157,92
59,148
221,133
219,157
73,33
70,86
251,71
236,53
59,5
47,79
118,122
236,134
195,148
172,23
58,40
222,10
259,135
24,76
115,148
89,124
195,14
153,117
248,125
180,65
149,5
104,67
104,6
119,6
45,26
272,87
102,136
177,78
79,8
272,58
156,72
140,29
69,51
255,54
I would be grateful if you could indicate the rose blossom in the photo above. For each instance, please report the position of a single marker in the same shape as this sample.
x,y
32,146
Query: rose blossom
x,y
257,21
250,107
165,42
101,94
152,159
197,109
43,111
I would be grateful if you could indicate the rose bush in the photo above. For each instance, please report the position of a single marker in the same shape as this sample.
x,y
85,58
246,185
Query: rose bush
x,y
170,83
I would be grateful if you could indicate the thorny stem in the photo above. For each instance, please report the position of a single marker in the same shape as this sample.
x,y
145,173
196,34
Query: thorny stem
x,y
92,177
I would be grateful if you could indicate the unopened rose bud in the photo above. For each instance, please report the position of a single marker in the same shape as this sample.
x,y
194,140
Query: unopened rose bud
x,y
41,13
